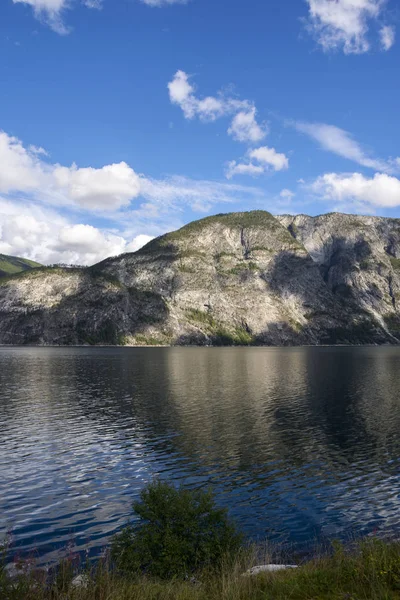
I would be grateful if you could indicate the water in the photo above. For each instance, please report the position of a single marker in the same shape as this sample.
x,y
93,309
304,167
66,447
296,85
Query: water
x,y
300,444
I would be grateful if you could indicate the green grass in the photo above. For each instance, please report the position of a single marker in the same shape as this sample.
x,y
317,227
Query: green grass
x,y
37,272
395,262
262,249
239,220
238,337
201,316
144,340
370,570
243,268
392,322
224,255
218,333
9,265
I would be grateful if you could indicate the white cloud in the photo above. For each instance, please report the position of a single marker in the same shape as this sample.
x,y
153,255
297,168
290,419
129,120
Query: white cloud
x,y
51,11
138,242
43,235
343,24
106,189
181,93
257,162
388,36
173,191
159,3
210,108
245,128
37,150
36,189
287,194
265,159
235,168
270,157
381,190
340,142
19,168
93,3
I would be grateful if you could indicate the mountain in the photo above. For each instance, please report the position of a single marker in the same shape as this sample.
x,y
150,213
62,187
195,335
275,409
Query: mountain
x,y
239,278
12,264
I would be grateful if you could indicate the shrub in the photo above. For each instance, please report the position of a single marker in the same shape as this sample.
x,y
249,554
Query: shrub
x,y
179,532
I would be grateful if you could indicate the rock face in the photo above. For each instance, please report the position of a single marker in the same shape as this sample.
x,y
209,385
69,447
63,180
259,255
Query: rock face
x,y
240,278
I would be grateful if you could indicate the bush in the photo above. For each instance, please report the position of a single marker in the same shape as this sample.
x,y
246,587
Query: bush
x,y
179,532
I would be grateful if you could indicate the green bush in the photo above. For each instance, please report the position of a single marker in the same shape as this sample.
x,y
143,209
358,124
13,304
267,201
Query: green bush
x,y
179,532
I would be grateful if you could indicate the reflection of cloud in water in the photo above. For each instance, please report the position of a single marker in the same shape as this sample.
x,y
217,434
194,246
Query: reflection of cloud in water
x,y
295,440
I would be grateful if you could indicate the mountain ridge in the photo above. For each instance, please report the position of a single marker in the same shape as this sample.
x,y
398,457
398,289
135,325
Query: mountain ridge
x,y
229,279
10,265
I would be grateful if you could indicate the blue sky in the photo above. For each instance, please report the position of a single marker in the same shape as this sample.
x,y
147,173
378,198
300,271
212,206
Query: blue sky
x,y
123,119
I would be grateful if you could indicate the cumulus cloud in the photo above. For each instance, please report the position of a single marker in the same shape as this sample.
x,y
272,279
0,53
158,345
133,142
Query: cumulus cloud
x,y
43,235
270,158
257,162
159,3
38,194
19,168
244,126
138,242
381,190
24,170
104,190
344,24
342,143
108,188
209,108
51,11
388,36
234,168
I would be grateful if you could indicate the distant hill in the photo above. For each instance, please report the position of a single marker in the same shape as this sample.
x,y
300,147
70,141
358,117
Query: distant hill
x,y
12,264
235,279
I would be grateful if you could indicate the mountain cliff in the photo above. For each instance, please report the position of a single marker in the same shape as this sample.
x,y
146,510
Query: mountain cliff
x,y
239,278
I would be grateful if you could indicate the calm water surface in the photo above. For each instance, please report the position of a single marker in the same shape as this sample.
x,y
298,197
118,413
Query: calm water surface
x,y
300,443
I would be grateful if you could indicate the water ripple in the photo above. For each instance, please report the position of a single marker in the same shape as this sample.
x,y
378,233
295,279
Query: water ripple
x,y
298,444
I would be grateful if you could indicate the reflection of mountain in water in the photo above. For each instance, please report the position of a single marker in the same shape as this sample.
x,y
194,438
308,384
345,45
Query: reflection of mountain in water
x,y
295,441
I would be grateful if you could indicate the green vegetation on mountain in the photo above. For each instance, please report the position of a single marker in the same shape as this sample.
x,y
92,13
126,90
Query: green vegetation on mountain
x,y
12,264
234,279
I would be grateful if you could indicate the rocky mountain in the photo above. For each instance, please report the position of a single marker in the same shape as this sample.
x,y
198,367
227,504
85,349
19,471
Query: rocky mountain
x,y
239,278
13,264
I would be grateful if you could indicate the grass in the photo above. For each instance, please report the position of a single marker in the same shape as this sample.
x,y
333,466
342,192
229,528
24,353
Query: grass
x,y
395,262
392,322
220,336
200,316
13,264
143,340
238,220
243,268
370,570
238,337
38,271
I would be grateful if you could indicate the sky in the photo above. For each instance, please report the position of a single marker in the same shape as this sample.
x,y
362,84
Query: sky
x,y
121,120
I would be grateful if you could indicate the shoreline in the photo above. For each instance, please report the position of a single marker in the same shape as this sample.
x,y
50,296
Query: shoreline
x,y
365,569
237,346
